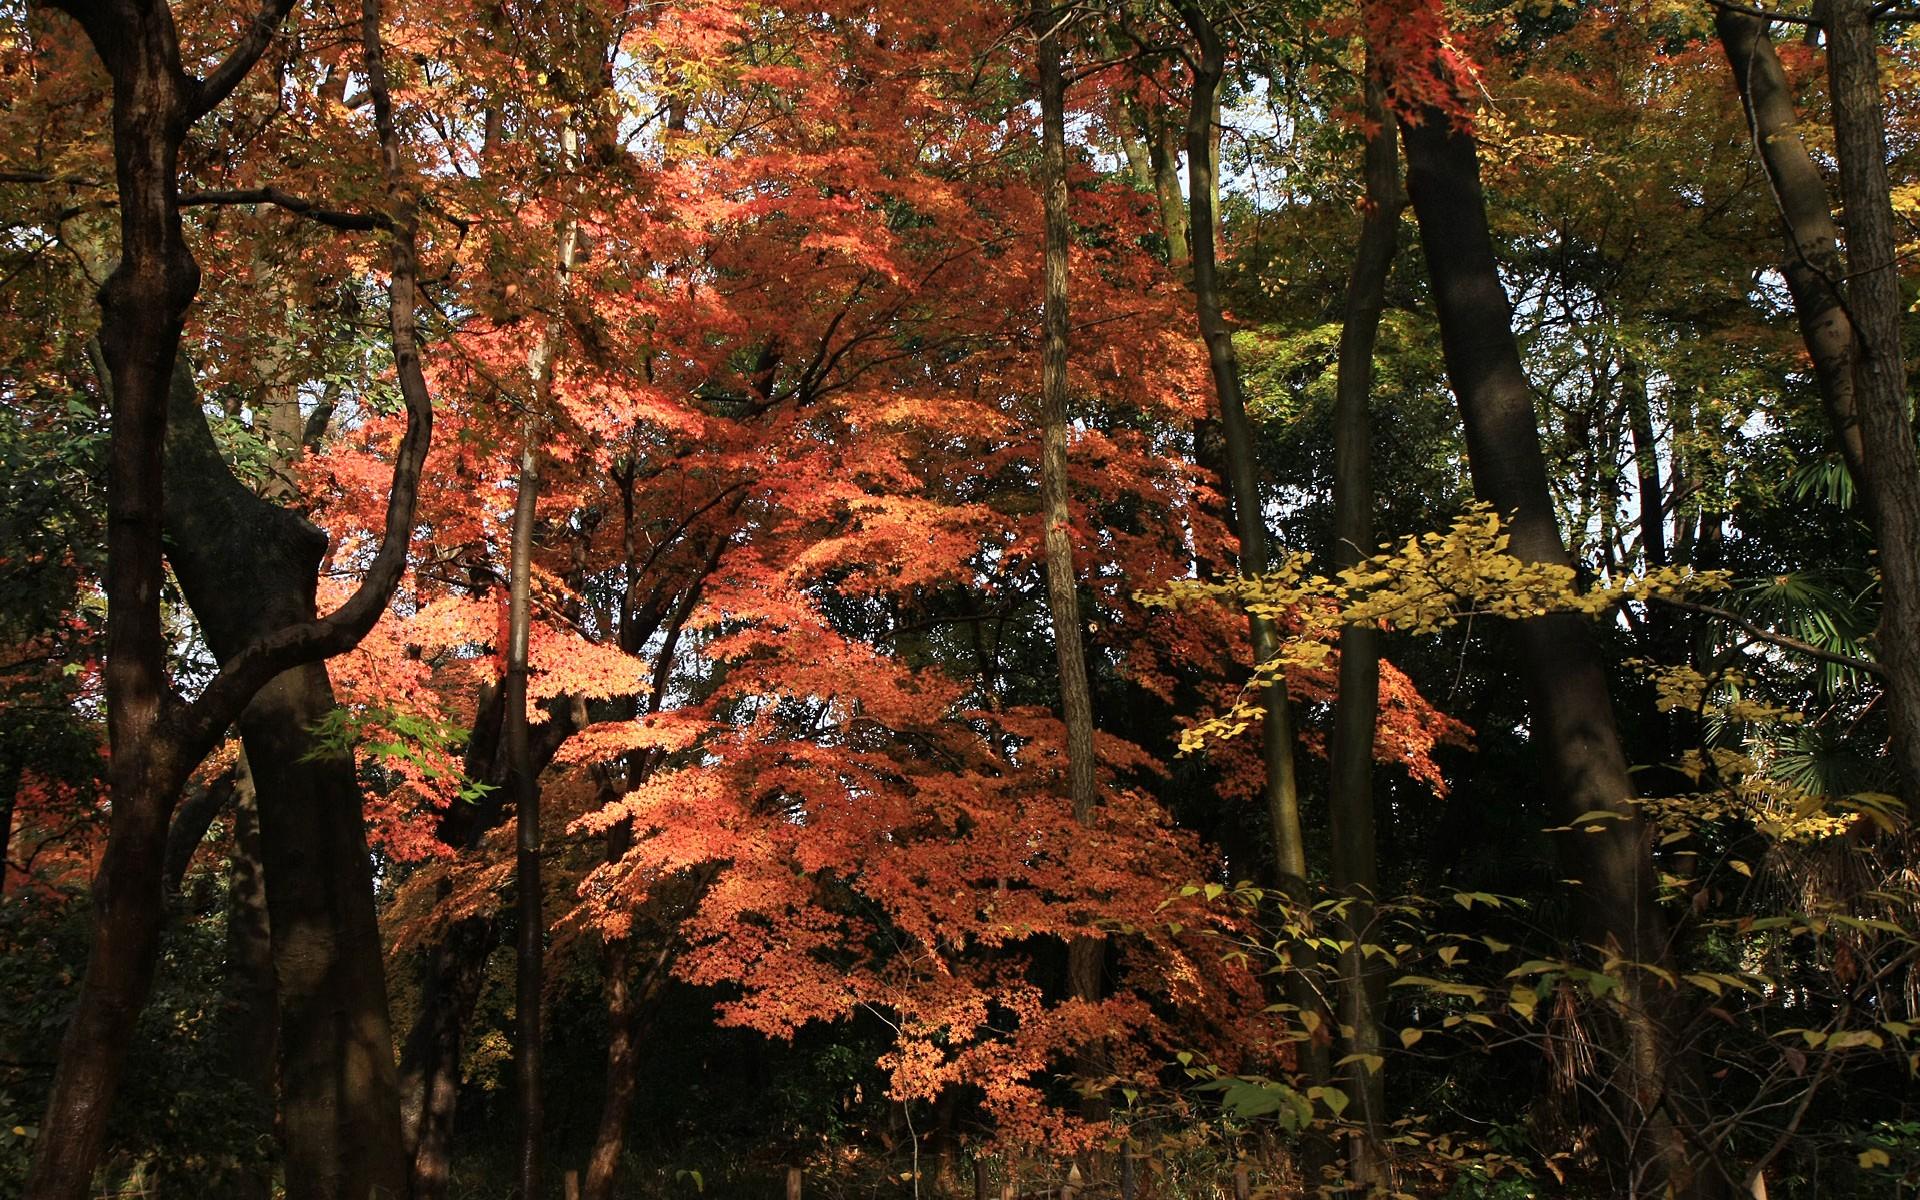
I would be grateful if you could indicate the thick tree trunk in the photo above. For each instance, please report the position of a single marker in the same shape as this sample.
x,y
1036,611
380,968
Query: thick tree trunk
x,y
340,1104
252,1018
1572,716
1889,461
1356,873
1850,314
248,568
143,307
1282,790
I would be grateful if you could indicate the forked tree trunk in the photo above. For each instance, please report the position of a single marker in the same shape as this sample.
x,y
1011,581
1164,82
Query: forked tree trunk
x,y
249,568
143,308
1356,872
1850,314
156,738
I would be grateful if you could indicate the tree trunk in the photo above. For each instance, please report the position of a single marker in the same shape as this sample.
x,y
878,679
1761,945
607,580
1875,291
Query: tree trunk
x,y
1890,464
452,976
252,1017
340,1102
1572,716
1085,953
1356,873
155,737
1814,272
143,307
530,951
1282,791
1850,315
1063,600
247,569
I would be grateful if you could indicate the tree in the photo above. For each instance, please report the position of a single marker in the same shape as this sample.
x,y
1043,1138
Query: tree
x,y
157,737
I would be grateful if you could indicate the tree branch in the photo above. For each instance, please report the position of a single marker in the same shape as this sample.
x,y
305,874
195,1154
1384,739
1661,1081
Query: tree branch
x,y
1762,633
1769,14
249,670
297,205
209,92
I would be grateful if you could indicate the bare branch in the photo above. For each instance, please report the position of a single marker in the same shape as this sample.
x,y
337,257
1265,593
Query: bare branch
x,y
1769,14
1762,633
297,205
209,92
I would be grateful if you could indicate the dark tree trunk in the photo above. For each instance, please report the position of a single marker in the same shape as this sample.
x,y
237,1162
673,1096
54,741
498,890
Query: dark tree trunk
x,y
1572,715
1282,790
248,568
1356,872
252,1017
1850,314
143,307
452,975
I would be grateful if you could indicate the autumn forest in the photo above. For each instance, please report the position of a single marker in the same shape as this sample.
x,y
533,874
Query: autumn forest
x,y
1075,598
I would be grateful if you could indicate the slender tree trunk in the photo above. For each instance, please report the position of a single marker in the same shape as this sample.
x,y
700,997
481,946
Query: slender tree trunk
x,y
1572,716
1356,873
1085,954
1282,790
623,1058
530,950
1063,599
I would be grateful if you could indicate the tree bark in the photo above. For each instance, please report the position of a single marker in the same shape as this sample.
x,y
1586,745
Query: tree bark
x,y
1282,790
530,951
1356,873
248,568
1850,315
1086,953
1889,461
1572,715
